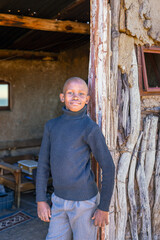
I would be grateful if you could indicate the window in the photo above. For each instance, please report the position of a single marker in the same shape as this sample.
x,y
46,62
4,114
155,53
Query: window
x,y
149,70
4,95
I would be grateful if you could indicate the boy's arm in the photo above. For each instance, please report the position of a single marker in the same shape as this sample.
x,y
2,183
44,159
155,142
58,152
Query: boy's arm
x,y
98,146
43,167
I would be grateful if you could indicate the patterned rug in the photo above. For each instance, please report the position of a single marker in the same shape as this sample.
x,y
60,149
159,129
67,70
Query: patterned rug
x,y
14,219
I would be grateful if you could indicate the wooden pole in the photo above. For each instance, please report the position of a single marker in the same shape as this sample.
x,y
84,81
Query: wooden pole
x,y
143,188
156,208
151,150
131,192
124,162
99,74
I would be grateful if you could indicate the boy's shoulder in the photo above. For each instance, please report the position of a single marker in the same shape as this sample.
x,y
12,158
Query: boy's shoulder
x,y
52,121
90,121
91,125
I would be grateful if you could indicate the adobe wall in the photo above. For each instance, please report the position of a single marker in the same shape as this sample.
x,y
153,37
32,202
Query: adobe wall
x,y
140,19
35,88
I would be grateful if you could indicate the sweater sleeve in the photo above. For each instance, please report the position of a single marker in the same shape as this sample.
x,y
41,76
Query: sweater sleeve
x,y
98,146
43,167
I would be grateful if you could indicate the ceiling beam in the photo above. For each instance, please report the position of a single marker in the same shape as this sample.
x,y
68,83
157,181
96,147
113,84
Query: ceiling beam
x,y
70,7
9,20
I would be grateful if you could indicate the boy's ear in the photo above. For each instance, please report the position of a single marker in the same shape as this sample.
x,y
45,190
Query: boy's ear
x,y
87,99
61,96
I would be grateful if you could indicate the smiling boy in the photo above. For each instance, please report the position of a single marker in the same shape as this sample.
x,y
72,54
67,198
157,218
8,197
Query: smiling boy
x,y
66,147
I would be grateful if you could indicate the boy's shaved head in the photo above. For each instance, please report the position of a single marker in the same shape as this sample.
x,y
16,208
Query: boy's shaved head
x,y
75,94
74,79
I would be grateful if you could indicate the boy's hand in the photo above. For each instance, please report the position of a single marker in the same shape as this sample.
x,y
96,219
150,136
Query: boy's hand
x,y
44,211
101,218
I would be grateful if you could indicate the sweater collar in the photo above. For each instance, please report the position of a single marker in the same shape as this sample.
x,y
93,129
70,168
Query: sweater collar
x,y
74,115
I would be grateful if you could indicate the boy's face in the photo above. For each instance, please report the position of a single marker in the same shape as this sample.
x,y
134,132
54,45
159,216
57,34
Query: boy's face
x,y
75,95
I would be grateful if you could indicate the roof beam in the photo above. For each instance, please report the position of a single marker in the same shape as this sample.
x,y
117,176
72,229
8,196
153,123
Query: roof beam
x,y
9,20
70,7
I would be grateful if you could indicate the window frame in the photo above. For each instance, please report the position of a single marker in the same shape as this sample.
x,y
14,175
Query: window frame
x,y
9,91
143,79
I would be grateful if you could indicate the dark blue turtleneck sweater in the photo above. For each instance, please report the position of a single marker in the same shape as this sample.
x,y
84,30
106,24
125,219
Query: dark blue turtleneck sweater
x,y
66,146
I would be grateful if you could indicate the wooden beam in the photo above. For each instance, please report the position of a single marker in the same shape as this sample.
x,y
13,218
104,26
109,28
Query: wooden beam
x,y
10,54
9,20
69,8
13,145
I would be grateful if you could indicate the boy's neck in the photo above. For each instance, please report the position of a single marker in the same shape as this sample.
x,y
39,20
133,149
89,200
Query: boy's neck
x,y
79,113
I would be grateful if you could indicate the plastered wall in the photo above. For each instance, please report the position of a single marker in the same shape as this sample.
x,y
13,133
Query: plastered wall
x,y
35,88
140,19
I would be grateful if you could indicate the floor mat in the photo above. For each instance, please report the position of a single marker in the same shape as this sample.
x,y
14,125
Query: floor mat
x,y
14,219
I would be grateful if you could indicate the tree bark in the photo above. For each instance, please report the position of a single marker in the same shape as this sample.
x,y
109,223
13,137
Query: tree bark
x,y
156,208
115,11
143,188
131,192
151,149
112,129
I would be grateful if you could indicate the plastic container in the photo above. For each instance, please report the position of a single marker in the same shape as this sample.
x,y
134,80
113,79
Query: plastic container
x,y
6,199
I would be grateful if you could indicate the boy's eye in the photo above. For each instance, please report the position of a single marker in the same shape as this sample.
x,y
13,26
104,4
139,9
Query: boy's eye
x,y
81,94
70,93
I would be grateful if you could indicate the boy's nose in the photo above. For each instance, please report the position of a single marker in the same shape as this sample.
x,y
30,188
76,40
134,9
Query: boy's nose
x,y
75,96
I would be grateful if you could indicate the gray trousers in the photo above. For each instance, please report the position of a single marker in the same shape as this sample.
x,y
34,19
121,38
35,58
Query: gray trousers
x,y
72,219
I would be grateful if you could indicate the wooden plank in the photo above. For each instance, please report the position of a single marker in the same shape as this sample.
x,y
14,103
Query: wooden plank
x,y
9,54
154,110
9,145
27,186
54,25
11,168
7,183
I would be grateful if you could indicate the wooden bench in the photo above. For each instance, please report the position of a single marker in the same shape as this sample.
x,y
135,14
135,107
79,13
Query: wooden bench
x,y
11,176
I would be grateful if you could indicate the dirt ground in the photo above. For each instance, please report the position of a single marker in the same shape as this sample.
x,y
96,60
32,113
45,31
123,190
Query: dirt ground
x,y
33,229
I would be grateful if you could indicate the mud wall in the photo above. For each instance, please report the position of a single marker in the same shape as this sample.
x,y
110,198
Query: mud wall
x,y
139,25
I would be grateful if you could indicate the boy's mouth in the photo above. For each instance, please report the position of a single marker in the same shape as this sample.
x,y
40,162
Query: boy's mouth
x,y
75,103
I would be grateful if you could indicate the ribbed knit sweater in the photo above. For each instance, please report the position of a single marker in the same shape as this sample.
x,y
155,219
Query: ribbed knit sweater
x,y
65,150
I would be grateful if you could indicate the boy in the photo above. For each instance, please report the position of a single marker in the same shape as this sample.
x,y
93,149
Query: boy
x,y
66,146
